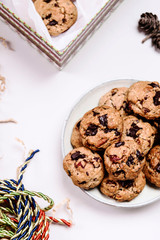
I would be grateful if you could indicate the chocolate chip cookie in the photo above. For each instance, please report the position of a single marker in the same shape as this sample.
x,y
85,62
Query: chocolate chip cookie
x,y
84,167
76,139
152,166
100,127
57,15
141,132
116,98
123,190
124,160
144,99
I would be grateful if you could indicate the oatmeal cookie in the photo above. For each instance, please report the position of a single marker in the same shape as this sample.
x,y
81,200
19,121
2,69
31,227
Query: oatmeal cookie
x,y
100,127
84,167
144,99
123,190
76,139
152,166
124,160
116,98
57,15
141,132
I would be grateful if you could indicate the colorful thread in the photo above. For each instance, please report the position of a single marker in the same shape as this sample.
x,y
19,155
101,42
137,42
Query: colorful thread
x,y
20,215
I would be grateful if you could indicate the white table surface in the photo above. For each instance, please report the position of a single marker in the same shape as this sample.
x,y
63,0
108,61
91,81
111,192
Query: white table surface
x,y
39,97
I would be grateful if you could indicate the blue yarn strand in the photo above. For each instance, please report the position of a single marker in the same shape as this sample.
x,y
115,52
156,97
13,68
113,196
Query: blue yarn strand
x,y
29,158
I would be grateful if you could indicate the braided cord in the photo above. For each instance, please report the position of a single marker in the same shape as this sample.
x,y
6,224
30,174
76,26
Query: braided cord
x,y
20,215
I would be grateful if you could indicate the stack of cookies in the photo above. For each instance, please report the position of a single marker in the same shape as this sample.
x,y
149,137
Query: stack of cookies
x,y
115,144
57,15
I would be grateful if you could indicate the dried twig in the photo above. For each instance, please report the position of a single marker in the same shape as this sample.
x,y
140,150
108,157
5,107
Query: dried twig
x,y
10,120
6,43
2,84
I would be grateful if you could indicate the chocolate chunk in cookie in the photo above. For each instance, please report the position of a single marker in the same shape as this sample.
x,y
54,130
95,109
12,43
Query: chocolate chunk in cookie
x,y
100,130
116,98
143,133
152,166
76,139
123,190
84,167
144,99
57,15
124,161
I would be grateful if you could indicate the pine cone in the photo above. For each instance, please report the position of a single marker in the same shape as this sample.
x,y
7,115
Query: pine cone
x,y
148,23
156,40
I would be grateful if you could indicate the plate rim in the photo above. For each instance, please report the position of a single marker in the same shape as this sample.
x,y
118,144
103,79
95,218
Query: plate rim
x,y
115,203
123,204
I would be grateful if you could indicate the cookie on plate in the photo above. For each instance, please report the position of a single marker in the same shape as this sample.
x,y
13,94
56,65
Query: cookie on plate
x,y
124,160
100,127
57,15
76,139
152,166
141,132
84,167
144,99
123,190
116,98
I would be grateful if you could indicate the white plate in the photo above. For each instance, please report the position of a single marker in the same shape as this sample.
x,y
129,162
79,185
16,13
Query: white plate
x,y
87,102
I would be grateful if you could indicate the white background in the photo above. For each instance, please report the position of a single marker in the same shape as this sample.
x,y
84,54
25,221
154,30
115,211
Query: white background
x,y
39,97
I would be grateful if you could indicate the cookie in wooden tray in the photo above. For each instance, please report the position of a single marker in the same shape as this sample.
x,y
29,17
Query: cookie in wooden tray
x,y
57,15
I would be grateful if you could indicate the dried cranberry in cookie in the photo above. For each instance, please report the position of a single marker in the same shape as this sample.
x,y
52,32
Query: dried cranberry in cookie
x,y
152,166
144,99
100,127
124,160
57,15
116,98
141,132
123,190
84,167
